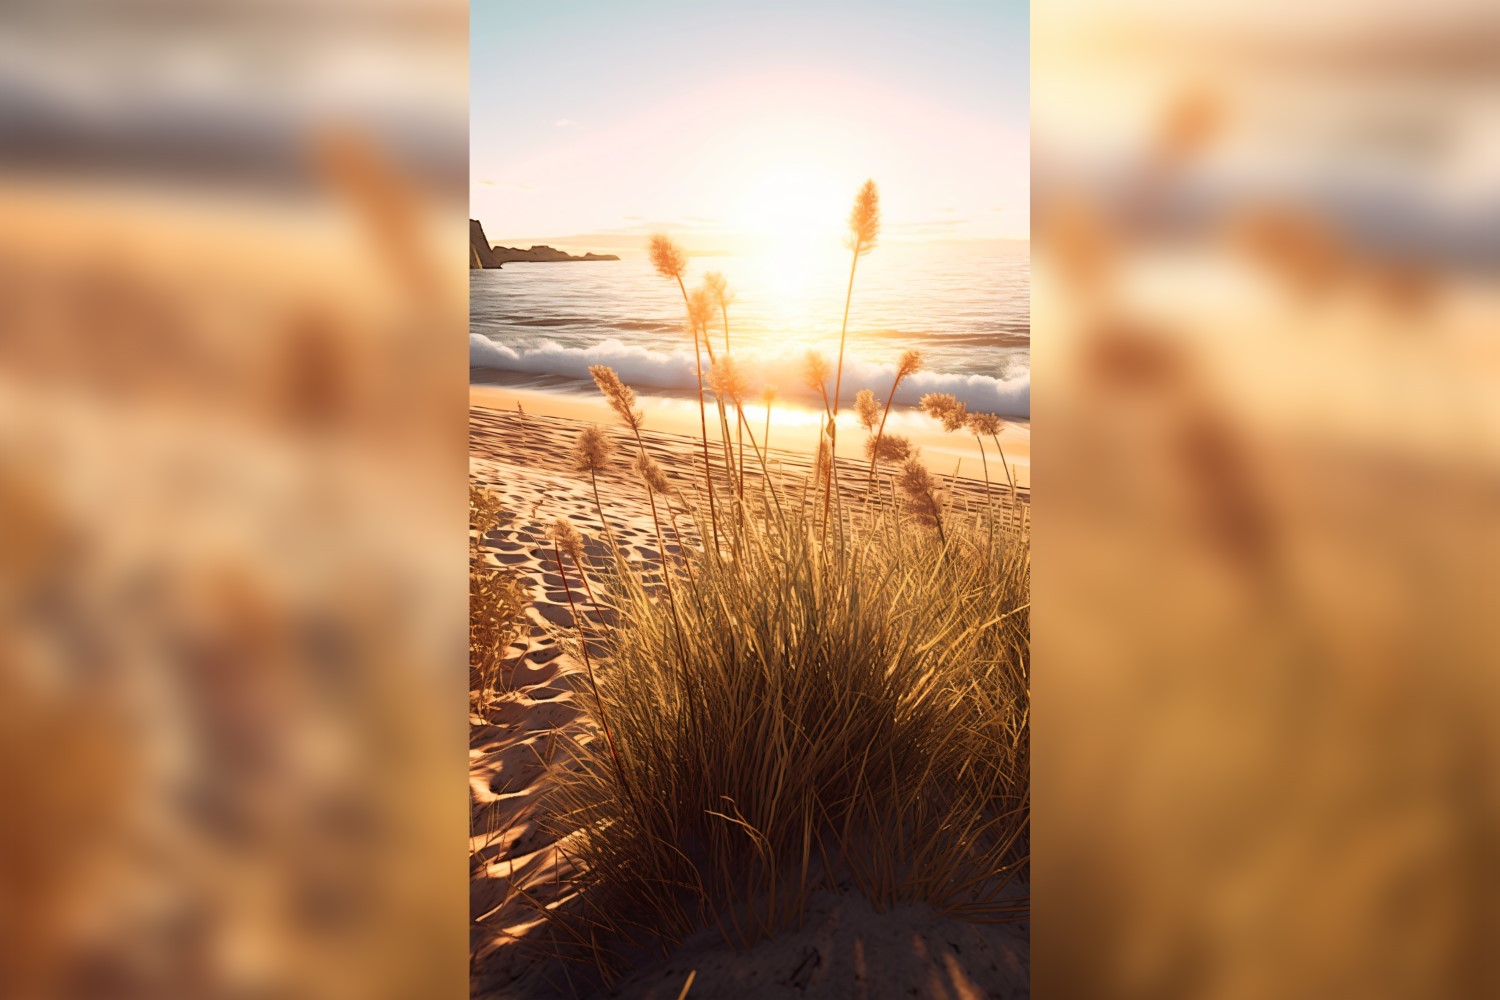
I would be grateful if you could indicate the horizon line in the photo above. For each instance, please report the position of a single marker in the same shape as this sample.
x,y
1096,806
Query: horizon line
x,y
620,241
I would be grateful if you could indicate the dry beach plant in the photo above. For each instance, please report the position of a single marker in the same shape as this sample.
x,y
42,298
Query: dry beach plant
x,y
497,601
805,716
786,708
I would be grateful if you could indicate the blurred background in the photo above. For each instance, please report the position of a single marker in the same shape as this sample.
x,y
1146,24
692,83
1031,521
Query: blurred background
x,y
232,391
232,508
1267,487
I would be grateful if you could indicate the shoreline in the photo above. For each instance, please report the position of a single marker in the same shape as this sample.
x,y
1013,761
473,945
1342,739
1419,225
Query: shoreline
x,y
794,428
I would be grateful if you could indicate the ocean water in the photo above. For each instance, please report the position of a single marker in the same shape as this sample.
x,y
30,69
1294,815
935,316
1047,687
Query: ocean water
x,y
966,307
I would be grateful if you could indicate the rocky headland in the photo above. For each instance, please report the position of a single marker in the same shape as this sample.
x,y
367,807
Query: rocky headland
x,y
483,255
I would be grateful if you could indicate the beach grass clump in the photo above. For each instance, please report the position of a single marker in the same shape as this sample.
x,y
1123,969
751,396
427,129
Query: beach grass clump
x,y
799,701
809,714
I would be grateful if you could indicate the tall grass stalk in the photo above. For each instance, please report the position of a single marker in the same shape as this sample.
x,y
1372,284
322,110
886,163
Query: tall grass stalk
x,y
864,229
704,301
1015,499
670,262
563,535
621,399
591,453
980,425
718,288
910,364
768,399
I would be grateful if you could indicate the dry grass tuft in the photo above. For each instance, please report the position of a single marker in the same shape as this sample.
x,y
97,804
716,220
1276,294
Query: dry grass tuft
x,y
806,716
836,701
497,602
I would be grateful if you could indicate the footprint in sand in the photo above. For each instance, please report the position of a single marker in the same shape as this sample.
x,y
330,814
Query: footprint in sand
x,y
555,614
543,693
536,716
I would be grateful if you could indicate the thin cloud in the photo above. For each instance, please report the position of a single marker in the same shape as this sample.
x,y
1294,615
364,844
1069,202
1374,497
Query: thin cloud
x,y
564,123
648,226
926,228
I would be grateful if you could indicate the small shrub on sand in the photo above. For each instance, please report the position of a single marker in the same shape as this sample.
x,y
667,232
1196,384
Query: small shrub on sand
x,y
497,601
801,701
805,714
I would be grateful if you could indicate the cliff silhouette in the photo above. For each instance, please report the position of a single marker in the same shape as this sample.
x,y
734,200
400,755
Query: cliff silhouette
x,y
483,255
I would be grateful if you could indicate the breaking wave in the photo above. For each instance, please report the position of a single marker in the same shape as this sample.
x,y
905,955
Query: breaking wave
x,y
676,371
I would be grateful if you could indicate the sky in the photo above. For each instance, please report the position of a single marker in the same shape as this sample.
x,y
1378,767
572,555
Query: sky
x,y
735,125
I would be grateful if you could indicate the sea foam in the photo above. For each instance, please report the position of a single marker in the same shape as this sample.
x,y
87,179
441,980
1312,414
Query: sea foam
x,y
676,371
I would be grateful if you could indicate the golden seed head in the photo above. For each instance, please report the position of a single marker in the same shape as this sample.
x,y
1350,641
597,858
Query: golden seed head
x,y
566,537
620,396
945,407
910,364
986,424
667,257
656,480
718,287
889,448
592,450
867,408
701,307
727,379
815,371
864,218
921,493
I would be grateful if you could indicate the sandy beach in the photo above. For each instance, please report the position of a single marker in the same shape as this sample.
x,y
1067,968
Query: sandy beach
x,y
845,947
794,429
